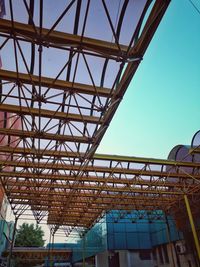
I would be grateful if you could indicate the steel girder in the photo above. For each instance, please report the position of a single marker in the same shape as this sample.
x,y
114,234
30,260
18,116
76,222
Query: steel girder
x,y
55,117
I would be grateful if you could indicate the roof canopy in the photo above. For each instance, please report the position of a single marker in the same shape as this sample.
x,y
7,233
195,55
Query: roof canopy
x,y
66,67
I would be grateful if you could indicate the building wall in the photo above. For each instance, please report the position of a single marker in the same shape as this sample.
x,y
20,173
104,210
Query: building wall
x,y
158,258
126,259
129,237
101,259
123,258
6,230
174,258
135,259
1,197
127,233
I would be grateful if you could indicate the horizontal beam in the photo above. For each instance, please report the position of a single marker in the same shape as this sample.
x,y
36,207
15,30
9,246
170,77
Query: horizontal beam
x,y
69,210
36,153
194,150
84,207
22,110
43,135
89,197
54,83
72,223
102,206
52,180
149,161
98,189
96,169
151,189
72,216
60,38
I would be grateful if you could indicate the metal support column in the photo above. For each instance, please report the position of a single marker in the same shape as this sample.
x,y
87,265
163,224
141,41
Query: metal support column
x,y
52,248
12,243
49,252
84,250
169,240
194,232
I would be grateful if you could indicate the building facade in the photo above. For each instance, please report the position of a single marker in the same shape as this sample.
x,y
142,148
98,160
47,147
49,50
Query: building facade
x,y
132,239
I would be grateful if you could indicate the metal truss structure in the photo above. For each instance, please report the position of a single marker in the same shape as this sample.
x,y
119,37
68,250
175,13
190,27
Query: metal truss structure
x,y
63,77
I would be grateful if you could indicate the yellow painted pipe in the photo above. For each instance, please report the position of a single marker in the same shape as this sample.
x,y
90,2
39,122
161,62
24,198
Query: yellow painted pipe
x,y
196,240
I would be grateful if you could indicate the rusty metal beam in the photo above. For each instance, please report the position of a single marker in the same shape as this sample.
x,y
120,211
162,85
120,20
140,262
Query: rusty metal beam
x,y
139,160
103,198
37,180
89,168
40,177
54,83
106,207
105,188
149,161
45,135
60,38
22,110
36,153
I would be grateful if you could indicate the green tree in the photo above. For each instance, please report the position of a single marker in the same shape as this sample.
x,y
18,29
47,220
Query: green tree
x,y
29,236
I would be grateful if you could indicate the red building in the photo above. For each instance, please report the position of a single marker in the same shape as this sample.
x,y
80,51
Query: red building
x,y
9,121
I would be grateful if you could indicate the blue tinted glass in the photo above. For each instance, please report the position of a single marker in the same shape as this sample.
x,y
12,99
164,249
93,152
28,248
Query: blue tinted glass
x,y
132,241
120,241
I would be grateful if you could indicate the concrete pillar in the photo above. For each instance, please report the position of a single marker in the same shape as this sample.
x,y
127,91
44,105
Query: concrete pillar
x,y
123,258
101,259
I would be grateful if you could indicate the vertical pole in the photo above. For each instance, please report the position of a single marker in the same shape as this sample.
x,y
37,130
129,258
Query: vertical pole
x,y
196,240
12,243
48,257
169,239
84,250
52,247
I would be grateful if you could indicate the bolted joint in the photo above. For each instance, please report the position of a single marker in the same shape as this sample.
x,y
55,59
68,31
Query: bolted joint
x,y
101,109
18,83
40,133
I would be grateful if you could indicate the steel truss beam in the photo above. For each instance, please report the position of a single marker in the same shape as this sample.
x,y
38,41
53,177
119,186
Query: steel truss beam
x,y
26,179
66,86
45,38
42,135
63,176
49,114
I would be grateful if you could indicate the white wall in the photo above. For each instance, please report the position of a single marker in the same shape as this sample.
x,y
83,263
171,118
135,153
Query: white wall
x,y
126,259
101,259
135,261
132,259
183,258
123,258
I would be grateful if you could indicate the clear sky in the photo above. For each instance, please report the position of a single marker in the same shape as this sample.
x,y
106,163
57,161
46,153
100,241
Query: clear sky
x,y
161,107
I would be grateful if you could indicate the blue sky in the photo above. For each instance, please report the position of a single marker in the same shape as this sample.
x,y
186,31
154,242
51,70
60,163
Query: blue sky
x,y
161,107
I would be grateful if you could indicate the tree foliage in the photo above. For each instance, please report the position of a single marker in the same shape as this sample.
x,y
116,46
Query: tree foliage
x,y
29,235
